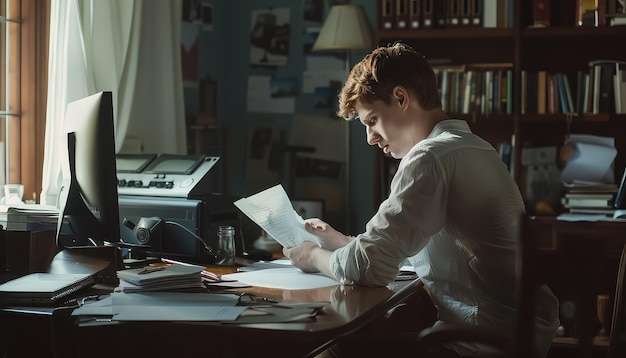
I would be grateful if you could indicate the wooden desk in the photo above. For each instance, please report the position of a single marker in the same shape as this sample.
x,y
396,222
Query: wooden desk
x,y
351,308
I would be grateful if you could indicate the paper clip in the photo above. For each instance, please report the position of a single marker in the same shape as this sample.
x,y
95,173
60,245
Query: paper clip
x,y
151,269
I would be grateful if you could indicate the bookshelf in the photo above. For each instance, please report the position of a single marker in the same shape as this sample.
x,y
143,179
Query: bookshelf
x,y
560,46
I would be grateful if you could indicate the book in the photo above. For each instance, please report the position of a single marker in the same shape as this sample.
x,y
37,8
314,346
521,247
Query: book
x,y
542,81
541,13
587,203
271,209
43,288
489,14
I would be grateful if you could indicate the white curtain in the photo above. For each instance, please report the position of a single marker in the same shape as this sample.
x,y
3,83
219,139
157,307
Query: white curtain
x,y
131,48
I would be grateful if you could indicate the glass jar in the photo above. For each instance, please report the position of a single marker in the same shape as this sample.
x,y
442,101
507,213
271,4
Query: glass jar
x,y
226,245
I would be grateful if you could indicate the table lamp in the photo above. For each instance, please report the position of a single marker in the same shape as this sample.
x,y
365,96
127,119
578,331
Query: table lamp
x,y
346,28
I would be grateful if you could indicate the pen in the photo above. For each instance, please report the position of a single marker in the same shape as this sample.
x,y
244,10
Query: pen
x,y
150,269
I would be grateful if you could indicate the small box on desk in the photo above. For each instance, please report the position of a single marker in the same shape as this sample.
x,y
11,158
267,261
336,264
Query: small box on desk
x,y
28,251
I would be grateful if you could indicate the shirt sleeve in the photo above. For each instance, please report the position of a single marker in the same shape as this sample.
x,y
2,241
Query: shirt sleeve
x,y
414,211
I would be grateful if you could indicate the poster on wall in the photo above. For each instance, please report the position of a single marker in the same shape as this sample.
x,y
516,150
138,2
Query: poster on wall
x,y
269,37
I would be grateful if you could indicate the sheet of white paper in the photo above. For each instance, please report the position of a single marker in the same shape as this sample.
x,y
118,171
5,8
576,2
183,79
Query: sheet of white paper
x,y
592,160
288,278
271,209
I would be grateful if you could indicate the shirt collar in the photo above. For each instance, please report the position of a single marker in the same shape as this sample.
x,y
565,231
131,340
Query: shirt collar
x,y
448,125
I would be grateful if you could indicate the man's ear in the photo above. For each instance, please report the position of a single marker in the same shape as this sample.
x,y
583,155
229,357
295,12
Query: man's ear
x,y
401,95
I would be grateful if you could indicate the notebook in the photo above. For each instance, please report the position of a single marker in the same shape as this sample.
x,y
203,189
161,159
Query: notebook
x,y
43,288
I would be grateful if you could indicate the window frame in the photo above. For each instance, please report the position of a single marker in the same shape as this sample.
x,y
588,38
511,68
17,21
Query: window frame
x,y
28,85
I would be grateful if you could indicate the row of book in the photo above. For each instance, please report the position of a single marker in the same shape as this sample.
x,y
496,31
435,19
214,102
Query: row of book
x,y
601,89
487,89
587,13
477,88
422,14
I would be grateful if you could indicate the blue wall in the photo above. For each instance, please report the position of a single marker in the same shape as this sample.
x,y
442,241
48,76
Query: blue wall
x,y
224,54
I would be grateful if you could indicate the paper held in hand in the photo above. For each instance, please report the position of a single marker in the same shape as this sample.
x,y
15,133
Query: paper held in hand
x,y
271,209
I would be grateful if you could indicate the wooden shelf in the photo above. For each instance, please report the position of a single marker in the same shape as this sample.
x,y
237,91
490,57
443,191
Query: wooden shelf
x,y
448,33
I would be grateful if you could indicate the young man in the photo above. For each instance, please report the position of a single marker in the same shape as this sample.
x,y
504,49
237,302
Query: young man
x,y
452,211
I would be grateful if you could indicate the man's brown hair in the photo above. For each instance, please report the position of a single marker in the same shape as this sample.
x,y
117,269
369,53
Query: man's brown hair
x,y
374,78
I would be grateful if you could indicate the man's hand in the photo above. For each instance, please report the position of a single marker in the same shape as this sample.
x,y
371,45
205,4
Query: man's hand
x,y
330,239
303,256
309,257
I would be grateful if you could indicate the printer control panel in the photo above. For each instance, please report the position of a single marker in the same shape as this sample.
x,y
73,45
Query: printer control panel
x,y
179,176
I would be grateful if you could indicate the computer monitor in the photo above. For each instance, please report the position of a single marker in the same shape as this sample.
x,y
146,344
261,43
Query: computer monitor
x,y
620,202
88,201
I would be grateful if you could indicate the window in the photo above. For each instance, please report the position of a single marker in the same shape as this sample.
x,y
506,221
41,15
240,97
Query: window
x,y
24,29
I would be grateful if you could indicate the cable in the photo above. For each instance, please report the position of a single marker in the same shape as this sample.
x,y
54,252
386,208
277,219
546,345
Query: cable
x,y
212,252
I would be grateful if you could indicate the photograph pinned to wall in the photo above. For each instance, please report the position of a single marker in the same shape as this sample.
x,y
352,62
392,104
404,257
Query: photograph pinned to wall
x,y
269,38
192,11
284,86
264,154
207,16
313,11
324,97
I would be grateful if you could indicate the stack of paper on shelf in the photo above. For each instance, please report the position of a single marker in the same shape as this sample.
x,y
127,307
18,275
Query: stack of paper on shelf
x,y
29,217
160,278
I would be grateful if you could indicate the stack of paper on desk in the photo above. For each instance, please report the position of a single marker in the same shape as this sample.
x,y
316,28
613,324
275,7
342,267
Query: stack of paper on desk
x,y
29,217
184,306
159,278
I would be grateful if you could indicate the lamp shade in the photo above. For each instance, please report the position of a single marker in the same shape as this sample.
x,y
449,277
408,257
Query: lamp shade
x,y
346,28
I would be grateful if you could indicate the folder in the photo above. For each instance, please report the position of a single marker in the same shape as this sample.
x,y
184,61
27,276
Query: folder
x,y
401,15
476,13
428,13
454,13
386,14
465,12
415,14
441,13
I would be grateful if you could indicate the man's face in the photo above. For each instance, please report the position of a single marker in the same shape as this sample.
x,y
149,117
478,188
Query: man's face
x,y
387,126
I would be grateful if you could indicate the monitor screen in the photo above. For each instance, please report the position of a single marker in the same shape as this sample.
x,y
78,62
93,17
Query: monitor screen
x,y
88,201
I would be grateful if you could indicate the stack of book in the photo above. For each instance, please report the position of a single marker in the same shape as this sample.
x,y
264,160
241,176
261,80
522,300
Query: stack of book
x,y
160,278
590,198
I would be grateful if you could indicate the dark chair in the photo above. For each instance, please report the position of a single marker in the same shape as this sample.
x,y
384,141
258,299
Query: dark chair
x,y
532,271
617,343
